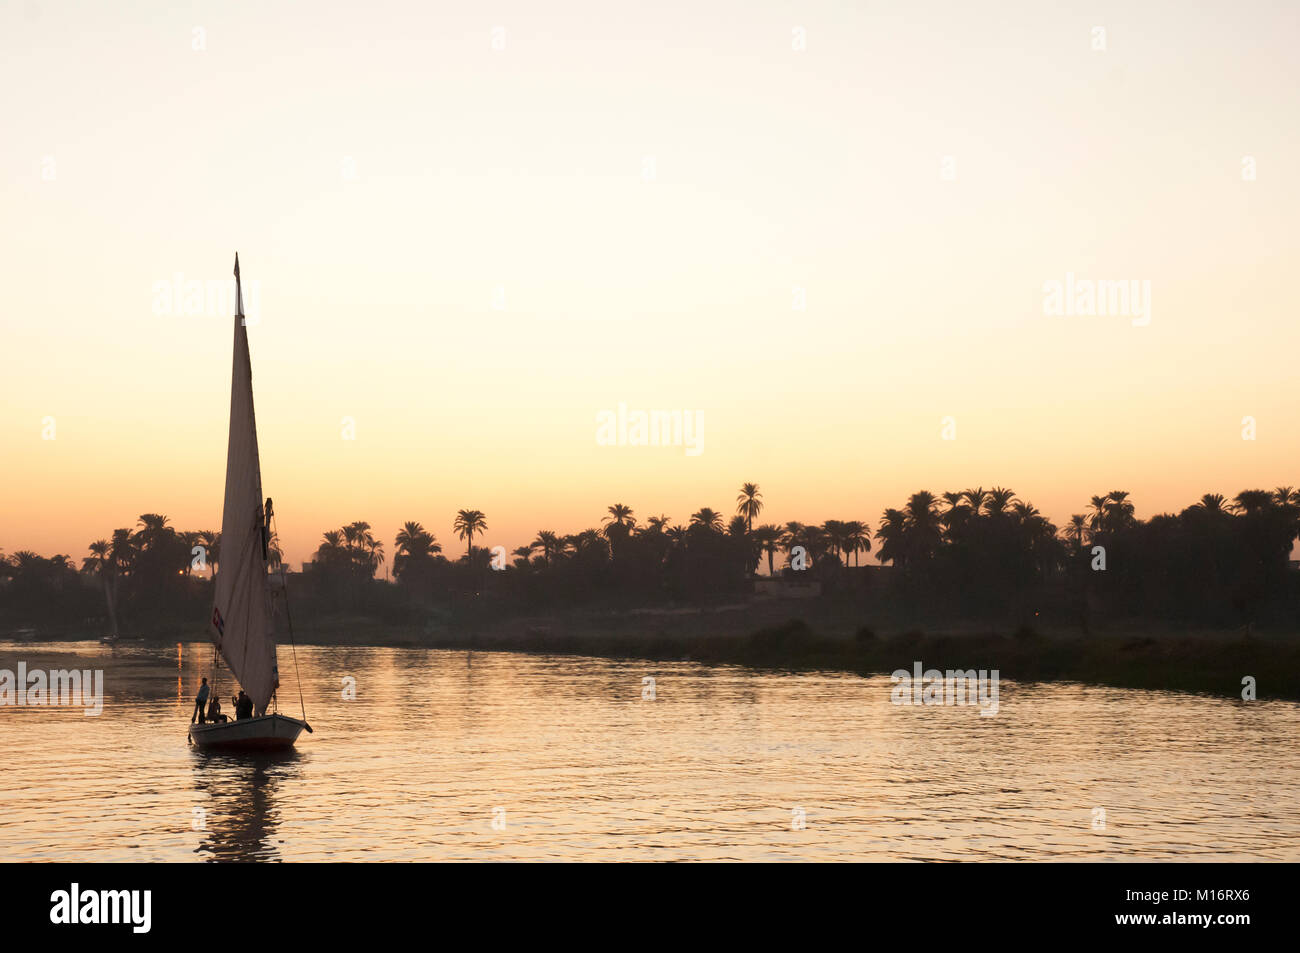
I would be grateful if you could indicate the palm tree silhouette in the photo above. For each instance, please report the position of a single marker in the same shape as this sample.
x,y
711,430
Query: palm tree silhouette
x,y
707,518
1252,501
331,542
548,544
211,542
1119,510
1077,531
414,545
1213,502
100,561
619,514
837,537
656,524
768,538
1097,521
922,530
892,536
374,554
750,504
467,523
998,499
152,526
858,537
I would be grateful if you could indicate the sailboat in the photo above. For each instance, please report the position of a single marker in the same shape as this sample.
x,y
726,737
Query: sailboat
x,y
242,624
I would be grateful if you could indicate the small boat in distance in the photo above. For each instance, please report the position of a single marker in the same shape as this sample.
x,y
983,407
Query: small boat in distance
x,y
242,623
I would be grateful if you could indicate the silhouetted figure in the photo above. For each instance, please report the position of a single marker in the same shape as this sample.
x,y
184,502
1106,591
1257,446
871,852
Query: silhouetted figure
x,y
200,701
214,710
243,706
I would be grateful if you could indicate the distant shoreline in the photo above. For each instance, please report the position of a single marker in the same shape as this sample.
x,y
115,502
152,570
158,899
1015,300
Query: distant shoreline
x,y
1208,664
795,635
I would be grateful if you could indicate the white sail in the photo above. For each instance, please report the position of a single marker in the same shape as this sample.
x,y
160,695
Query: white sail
x,y
241,622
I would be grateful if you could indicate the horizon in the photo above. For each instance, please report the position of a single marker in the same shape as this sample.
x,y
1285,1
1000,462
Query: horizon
x,y
466,248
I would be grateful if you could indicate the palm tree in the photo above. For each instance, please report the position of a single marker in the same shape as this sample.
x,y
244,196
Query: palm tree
x,y
768,538
621,524
153,525
1252,501
333,550
1025,512
656,524
1119,510
975,499
620,515
374,554
99,560
999,498
750,503
858,537
413,545
469,522
1213,503
1077,530
892,536
122,549
837,536
211,542
1097,521
707,518
355,534
813,539
956,510
549,544
589,543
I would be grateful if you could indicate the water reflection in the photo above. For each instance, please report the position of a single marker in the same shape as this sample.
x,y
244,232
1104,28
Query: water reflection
x,y
585,767
240,802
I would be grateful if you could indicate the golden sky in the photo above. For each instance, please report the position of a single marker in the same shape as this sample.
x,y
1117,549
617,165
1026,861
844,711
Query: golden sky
x,y
471,251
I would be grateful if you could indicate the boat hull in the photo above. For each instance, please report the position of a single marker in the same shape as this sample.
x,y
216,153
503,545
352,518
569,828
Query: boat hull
x,y
266,733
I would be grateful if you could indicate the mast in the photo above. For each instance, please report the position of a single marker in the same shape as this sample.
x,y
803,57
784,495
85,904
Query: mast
x,y
241,625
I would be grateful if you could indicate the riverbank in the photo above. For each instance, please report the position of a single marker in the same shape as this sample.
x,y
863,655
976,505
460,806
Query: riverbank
x,y
807,635
816,634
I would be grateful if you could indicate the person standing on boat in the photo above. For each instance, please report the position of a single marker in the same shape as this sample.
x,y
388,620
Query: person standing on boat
x,y
243,706
200,703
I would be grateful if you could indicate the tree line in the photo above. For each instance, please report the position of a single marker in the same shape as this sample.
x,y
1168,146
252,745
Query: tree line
x,y
971,551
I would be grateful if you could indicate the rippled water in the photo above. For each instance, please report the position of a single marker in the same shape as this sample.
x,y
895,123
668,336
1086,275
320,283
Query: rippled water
x,y
568,756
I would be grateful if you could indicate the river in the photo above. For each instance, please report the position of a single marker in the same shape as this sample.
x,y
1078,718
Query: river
x,y
450,755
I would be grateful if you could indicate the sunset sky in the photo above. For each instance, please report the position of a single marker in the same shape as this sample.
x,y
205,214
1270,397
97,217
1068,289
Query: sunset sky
x,y
471,251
